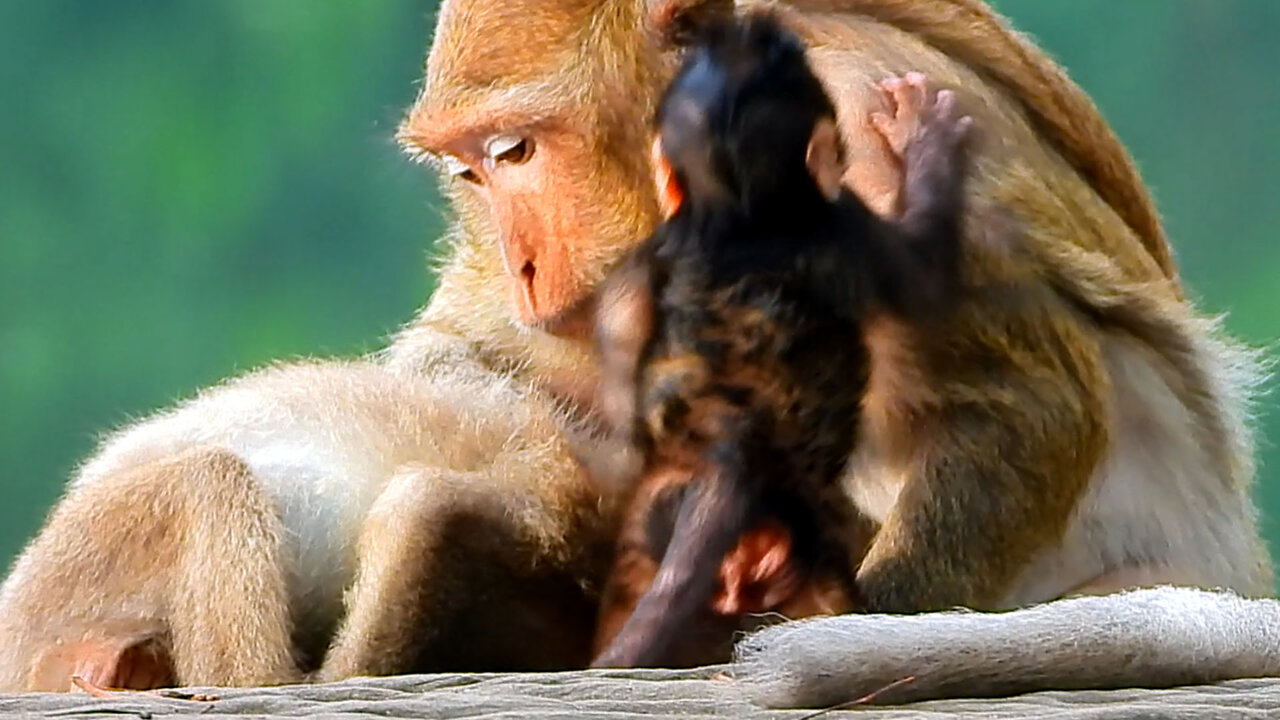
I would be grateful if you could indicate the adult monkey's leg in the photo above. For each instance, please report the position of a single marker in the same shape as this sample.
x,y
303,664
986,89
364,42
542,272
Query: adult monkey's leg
x,y
144,578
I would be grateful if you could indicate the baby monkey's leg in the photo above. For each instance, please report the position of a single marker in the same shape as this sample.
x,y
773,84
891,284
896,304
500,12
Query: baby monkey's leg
x,y
763,574
646,531
714,512
707,638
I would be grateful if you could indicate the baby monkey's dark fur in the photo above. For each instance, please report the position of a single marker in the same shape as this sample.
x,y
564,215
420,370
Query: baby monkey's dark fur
x,y
732,344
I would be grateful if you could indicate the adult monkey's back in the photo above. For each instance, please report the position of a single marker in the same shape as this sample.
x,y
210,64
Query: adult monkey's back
x,y
970,32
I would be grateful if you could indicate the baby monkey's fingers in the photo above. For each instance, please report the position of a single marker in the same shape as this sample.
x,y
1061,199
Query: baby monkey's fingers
x,y
921,117
907,98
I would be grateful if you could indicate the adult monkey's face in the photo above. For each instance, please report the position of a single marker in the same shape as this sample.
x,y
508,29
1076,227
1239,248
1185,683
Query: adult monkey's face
x,y
539,112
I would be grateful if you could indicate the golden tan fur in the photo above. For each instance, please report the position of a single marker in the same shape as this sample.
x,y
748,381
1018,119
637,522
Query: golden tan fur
x,y
261,531
426,510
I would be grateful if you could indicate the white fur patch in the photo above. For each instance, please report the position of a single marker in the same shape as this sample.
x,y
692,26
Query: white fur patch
x,y
1158,503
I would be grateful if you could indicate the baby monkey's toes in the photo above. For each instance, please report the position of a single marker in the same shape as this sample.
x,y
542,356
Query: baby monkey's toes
x,y
918,112
759,574
944,125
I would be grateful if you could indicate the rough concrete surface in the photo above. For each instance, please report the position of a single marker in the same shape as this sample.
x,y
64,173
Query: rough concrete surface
x,y
622,695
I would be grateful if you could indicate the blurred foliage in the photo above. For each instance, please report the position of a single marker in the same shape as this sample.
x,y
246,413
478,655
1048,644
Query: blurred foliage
x,y
189,189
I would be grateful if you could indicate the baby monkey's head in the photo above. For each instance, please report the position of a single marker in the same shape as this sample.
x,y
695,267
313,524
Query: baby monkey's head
x,y
746,122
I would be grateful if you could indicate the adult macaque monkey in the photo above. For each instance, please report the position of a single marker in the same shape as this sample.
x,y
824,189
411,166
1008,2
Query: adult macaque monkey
x,y
1076,428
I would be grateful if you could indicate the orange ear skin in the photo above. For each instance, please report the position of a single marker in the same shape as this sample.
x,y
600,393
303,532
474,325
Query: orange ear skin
x,y
670,194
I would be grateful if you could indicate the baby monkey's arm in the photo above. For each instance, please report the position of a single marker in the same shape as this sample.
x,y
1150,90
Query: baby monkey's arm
x,y
908,265
914,260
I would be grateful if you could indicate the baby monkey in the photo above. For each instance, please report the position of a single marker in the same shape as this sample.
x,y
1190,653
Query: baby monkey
x,y
731,340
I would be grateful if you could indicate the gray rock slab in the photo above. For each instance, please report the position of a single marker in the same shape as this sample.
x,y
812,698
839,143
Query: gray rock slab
x,y
625,695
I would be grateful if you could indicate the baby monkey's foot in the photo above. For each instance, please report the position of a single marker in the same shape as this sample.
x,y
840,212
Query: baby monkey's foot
x,y
758,574
930,121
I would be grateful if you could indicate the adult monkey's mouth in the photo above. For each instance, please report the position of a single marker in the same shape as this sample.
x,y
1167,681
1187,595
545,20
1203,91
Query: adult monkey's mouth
x,y
576,322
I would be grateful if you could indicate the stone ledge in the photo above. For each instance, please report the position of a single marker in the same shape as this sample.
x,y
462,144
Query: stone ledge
x,y
622,695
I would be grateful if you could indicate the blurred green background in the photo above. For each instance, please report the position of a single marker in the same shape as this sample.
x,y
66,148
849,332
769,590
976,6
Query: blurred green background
x,y
189,189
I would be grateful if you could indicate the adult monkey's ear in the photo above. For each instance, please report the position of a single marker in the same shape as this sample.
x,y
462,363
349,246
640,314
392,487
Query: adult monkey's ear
x,y
680,22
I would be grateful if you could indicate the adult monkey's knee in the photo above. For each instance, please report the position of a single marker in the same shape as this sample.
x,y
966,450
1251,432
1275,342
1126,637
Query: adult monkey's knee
x,y
451,579
142,578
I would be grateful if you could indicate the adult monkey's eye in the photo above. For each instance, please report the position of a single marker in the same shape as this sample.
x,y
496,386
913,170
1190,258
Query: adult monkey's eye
x,y
458,169
508,149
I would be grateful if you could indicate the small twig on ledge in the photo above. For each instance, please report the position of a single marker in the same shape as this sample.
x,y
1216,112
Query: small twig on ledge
x,y
864,699
103,693
142,714
92,689
180,695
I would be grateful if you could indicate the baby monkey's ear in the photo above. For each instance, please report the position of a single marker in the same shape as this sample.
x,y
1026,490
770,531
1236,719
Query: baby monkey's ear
x,y
825,158
670,194
682,22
